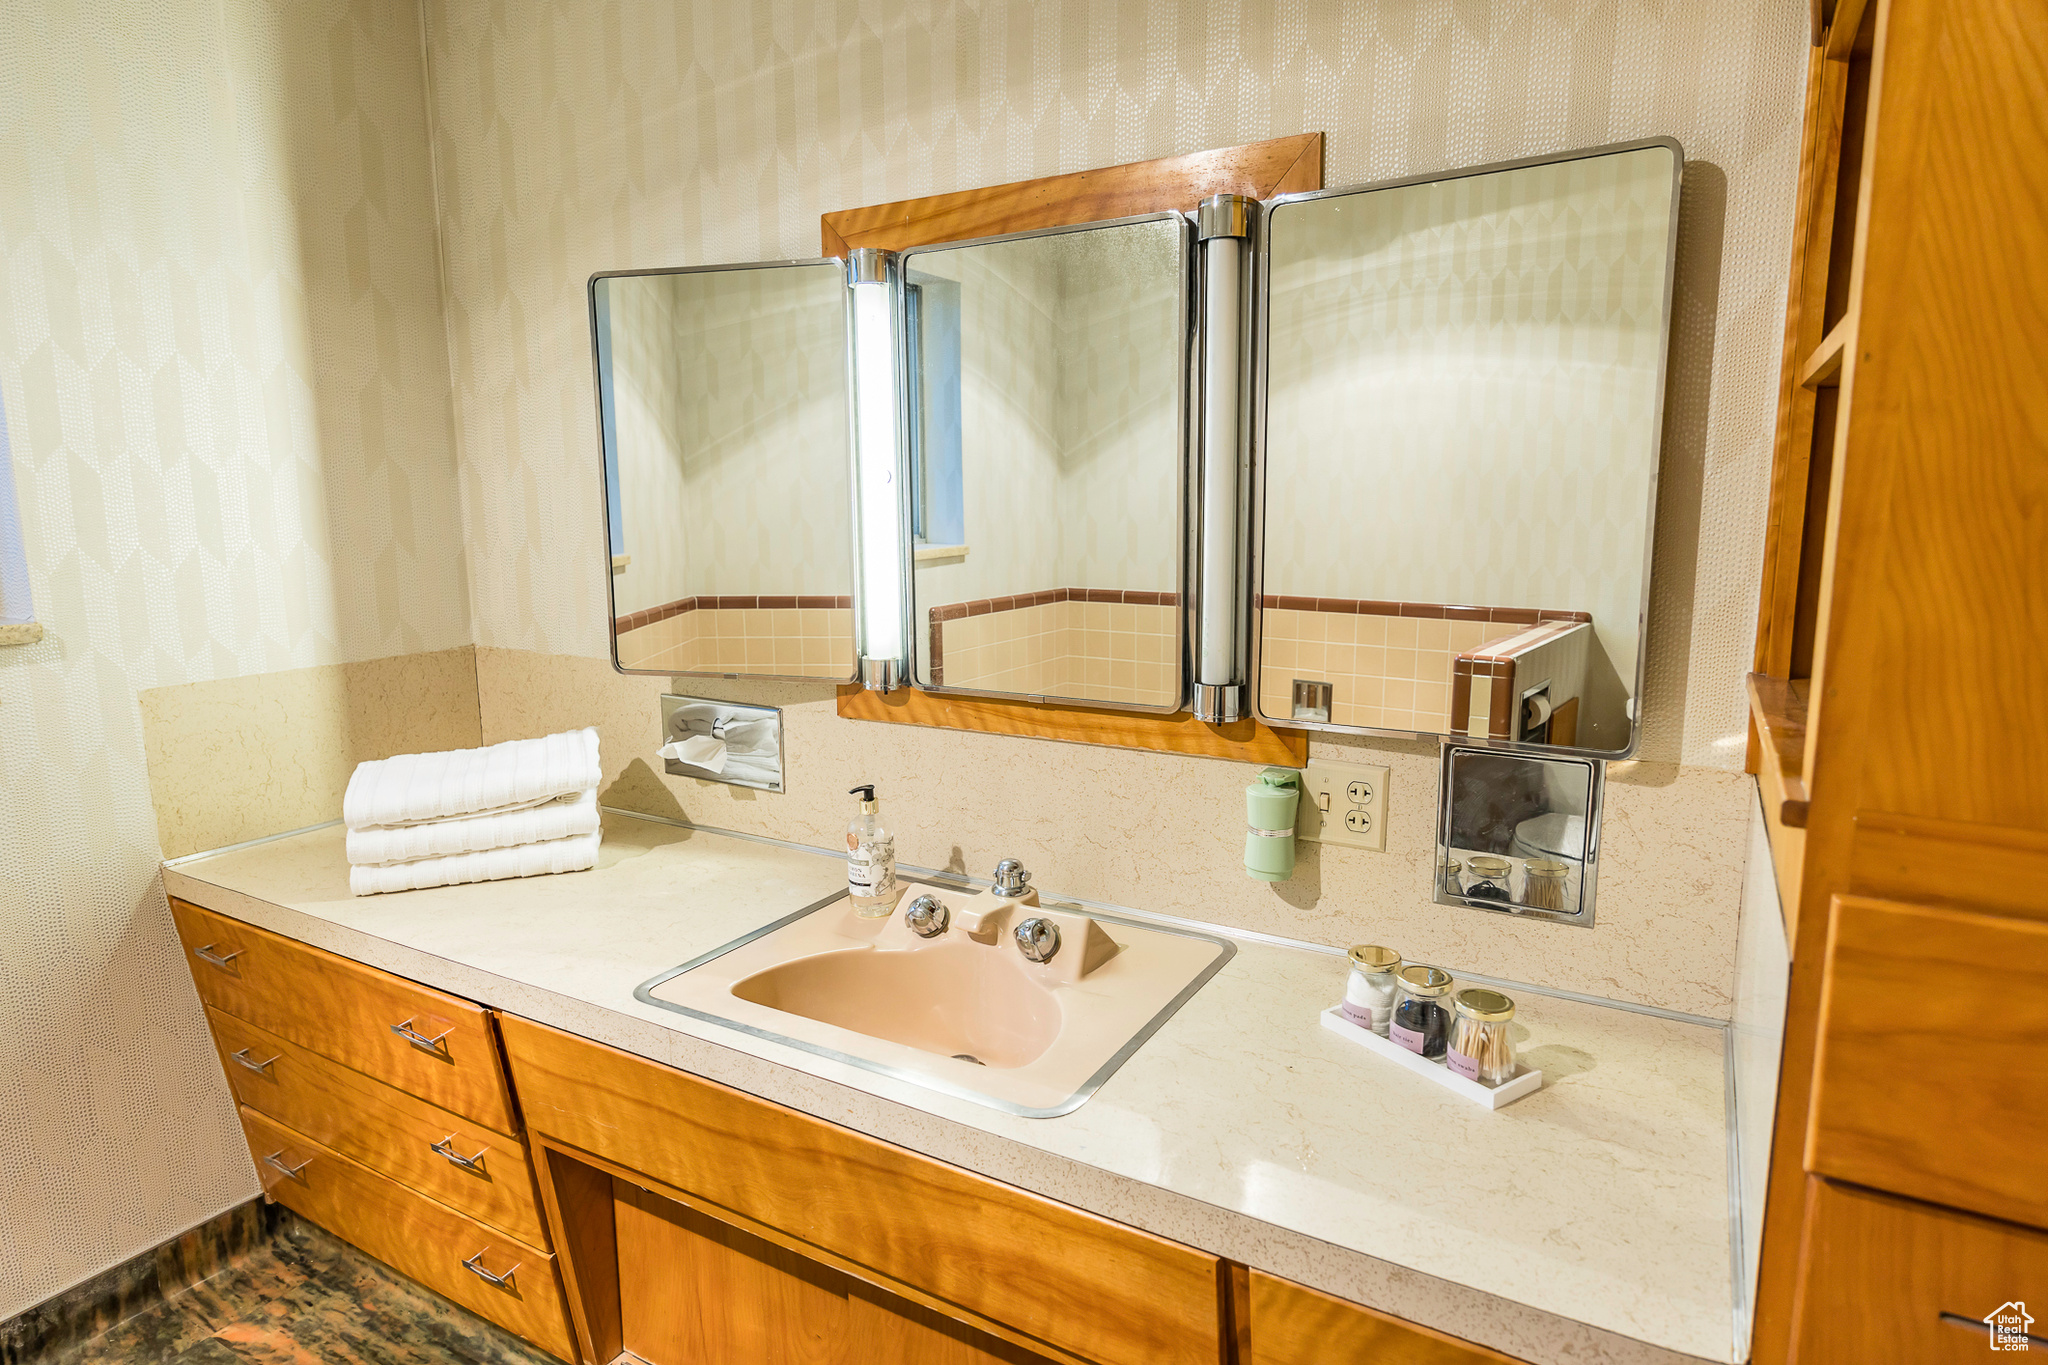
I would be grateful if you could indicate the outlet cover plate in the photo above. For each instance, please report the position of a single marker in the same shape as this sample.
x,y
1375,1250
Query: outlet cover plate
x,y
1343,803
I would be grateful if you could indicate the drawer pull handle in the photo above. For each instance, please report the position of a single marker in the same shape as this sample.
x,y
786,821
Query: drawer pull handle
x,y
261,1068
292,1172
421,1040
225,961
446,1147
503,1281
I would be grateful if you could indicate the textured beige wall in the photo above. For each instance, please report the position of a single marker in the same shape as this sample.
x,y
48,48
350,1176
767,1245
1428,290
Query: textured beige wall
x,y
575,137
225,374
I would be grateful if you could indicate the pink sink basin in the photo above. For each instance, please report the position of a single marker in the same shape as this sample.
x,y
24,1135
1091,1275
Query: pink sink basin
x,y
963,1012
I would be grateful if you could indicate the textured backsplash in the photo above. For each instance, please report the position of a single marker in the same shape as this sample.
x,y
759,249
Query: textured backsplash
x,y
1165,833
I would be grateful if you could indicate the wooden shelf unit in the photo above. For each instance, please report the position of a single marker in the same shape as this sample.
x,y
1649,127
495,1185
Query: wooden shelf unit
x,y
1901,667
1823,367
1777,713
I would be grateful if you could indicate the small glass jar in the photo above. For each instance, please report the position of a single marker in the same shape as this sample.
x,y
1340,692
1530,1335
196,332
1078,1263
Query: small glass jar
x,y
1452,886
1486,877
1369,990
1543,884
1421,1023
1480,1048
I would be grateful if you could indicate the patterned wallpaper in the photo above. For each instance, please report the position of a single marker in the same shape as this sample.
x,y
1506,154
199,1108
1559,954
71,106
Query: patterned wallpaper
x,y
574,137
1119,420
764,402
645,388
1463,391
1009,422
729,391
226,379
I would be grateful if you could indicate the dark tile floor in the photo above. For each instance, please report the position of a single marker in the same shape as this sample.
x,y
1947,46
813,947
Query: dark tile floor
x,y
303,1298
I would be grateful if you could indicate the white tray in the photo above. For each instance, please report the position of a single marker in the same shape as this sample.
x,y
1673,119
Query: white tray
x,y
1525,1081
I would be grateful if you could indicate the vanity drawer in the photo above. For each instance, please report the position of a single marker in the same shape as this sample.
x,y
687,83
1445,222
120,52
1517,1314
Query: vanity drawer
x,y
1068,1279
1292,1324
1886,1279
351,1013
413,1234
387,1130
1930,1070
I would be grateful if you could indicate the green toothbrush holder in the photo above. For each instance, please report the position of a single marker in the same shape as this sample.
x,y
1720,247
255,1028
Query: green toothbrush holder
x,y
1269,807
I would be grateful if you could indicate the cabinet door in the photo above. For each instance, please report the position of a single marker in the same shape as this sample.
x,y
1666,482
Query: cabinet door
x,y
1888,1279
696,1291
1295,1325
1931,1069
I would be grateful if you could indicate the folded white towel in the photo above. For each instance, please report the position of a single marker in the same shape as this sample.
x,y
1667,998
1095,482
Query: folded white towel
x,y
563,818
413,788
528,860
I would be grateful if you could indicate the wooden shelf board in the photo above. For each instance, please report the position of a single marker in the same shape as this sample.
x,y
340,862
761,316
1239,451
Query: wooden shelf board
x,y
1843,28
1245,741
1778,707
1777,713
1824,367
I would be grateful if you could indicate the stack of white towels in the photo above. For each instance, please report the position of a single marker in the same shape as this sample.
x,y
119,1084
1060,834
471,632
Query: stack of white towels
x,y
520,809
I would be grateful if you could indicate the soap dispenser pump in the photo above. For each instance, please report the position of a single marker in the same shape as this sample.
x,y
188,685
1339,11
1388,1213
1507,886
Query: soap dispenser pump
x,y
870,858
1269,809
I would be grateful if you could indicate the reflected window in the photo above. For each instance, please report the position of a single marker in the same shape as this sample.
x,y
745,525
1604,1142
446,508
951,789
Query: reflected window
x,y
15,607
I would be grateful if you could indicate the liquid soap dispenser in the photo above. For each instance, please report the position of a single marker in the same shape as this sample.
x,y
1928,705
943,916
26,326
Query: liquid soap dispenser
x,y
1269,807
870,859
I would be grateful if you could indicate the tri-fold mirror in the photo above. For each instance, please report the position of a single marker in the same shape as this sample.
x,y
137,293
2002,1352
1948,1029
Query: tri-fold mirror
x,y
1380,460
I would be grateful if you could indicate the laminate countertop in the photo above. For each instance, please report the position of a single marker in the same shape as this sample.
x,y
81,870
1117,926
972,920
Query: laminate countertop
x,y
1587,1222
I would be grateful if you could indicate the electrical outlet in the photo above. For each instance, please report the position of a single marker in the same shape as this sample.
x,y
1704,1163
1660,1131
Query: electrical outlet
x,y
1343,803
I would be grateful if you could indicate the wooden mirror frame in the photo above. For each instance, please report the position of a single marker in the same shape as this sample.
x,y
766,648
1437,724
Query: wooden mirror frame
x,y
1177,184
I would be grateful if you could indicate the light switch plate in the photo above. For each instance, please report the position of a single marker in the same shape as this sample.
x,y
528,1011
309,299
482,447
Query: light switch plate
x,y
1343,803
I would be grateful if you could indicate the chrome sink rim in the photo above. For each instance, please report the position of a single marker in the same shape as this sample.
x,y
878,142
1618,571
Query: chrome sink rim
x,y
644,994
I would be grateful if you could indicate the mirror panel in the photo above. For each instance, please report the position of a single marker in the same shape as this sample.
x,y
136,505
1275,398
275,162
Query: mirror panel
x,y
723,405
1048,399
1464,397
1520,833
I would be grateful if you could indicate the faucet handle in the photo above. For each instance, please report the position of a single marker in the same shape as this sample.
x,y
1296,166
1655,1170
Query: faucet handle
x,y
1038,939
1011,878
927,917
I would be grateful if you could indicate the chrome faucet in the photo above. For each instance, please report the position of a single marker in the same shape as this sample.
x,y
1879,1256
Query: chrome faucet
x,y
1011,878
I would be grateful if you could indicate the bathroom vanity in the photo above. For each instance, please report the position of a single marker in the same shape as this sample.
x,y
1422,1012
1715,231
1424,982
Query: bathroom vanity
x,y
603,1175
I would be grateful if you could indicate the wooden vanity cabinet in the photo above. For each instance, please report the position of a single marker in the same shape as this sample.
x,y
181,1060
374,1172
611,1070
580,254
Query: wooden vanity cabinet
x,y
1290,1324
420,1040
378,1108
1058,1283
607,1208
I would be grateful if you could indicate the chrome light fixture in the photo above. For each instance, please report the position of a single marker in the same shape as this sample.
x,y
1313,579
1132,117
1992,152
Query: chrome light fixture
x,y
1224,226
876,349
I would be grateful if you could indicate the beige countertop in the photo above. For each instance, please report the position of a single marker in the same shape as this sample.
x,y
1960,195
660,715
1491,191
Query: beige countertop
x,y
1587,1222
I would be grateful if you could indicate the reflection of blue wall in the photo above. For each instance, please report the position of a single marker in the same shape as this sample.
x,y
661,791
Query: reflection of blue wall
x,y
14,602
945,514
613,516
